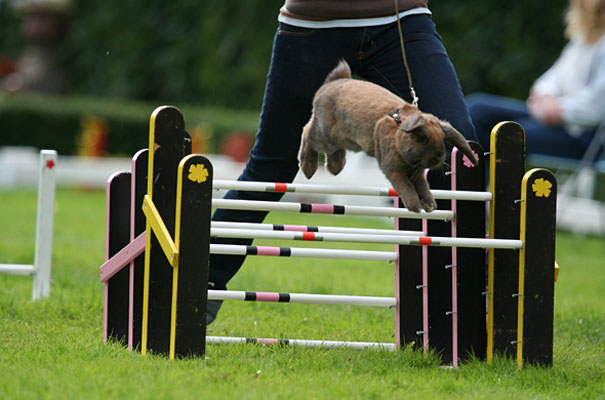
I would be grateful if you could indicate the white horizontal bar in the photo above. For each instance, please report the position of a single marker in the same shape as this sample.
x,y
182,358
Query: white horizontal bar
x,y
301,188
307,298
445,215
302,228
18,269
346,190
231,249
357,238
477,243
302,343
461,195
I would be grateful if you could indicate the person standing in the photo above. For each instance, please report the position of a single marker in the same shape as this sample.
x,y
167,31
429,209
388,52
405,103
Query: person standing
x,y
312,36
567,103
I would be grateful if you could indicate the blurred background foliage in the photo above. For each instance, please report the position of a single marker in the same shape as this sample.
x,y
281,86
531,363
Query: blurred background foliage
x,y
120,59
217,52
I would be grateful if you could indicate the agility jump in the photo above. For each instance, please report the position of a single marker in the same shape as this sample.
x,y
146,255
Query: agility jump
x,y
41,267
440,283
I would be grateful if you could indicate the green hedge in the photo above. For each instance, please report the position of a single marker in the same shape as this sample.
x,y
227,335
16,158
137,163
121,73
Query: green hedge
x,y
217,52
57,122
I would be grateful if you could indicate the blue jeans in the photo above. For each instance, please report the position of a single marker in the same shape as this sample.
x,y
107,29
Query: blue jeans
x,y
487,110
300,61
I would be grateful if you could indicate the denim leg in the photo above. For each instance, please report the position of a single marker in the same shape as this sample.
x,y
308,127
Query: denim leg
x,y
487,110
433,75
553,141
300,61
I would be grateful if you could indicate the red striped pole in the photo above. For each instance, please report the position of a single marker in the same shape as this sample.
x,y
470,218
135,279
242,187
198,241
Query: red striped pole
x,y
359,238
341,190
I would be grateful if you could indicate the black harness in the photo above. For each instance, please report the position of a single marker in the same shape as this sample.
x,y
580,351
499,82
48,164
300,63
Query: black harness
x,y
396,115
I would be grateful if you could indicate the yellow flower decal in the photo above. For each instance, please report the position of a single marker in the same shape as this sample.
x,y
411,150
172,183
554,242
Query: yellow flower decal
x,y
198,173
541,187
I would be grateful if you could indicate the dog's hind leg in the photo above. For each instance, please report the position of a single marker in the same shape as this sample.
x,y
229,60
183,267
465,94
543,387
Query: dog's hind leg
x,y
307,156
336,161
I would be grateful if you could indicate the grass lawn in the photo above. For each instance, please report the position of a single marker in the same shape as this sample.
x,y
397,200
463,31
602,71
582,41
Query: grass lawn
x,y
53,349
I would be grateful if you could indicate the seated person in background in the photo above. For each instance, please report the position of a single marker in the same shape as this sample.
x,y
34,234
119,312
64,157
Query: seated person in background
x,y
567,103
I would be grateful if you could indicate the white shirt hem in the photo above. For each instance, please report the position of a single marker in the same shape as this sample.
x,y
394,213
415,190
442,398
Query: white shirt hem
x,y
351,23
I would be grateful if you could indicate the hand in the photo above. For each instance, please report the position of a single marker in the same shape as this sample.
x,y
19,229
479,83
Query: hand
x,y
545,108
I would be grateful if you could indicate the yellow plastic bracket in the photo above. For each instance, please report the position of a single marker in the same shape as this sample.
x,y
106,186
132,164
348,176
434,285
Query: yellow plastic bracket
x,y
161,232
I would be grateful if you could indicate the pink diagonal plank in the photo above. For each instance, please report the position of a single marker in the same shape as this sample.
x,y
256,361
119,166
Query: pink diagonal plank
x,y
123,258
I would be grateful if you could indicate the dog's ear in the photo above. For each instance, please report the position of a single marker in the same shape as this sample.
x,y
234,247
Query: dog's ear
x,y
455,138
413,123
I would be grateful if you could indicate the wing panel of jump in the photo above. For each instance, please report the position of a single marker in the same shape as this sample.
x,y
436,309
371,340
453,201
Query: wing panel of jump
x,y
166,149
190,281
117,236
537,268
438,278
507,166
408,286
469,264
137,267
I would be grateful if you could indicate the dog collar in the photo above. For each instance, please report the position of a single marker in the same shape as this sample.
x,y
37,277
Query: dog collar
x,y
395,114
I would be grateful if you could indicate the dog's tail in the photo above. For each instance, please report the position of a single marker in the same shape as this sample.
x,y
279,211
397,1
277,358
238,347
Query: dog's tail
x,y
342,71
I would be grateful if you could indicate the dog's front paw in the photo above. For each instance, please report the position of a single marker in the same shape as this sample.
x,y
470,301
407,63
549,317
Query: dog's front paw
x,y
308,161
336,161
412,203
429,204
308,168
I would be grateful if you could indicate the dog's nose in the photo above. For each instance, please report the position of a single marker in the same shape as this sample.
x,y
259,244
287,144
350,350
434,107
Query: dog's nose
x,y
436,159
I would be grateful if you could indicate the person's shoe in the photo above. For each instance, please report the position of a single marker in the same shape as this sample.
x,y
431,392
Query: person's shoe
x,y
212,309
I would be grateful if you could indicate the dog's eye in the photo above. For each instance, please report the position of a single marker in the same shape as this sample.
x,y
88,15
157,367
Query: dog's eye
x,y
421,139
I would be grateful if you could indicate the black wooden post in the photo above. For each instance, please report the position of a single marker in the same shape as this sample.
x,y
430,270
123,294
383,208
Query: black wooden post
x,y
117,236
470,264
166,149
536,288
507,166
194,204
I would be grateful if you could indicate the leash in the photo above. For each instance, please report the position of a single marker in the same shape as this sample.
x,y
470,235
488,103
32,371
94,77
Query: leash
x,y
405,60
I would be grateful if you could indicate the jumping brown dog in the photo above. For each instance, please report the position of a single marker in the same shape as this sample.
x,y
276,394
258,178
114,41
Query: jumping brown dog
x,y
361,116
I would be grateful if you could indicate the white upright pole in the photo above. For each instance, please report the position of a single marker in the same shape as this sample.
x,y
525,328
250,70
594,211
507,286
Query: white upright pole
x,y
44,224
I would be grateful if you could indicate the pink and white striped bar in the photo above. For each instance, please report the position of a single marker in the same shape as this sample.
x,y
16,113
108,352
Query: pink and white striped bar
x,y
345,190
240,250
303,298
359,238
327,344
444,215
306,228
